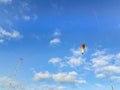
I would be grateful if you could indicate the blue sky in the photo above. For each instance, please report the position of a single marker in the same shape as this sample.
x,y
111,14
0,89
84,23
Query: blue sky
x,y
48,35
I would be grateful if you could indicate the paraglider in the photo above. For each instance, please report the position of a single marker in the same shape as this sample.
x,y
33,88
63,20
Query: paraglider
x,y
83,48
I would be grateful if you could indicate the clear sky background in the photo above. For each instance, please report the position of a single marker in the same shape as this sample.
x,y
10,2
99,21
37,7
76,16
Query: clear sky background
x,y
48,35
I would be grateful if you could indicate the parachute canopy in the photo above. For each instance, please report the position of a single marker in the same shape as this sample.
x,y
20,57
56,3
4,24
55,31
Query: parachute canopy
x,y
83,48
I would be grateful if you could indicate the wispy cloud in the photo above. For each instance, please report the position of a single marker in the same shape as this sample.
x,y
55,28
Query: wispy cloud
x,y
40,76
70,77
53,87
58,62
99,85
9,83
98,53
73,61
55,60
24,11
1,40
63,77
76,52
57,33
5,35
105,64
55,41
5,1
115,78
76,59
27,18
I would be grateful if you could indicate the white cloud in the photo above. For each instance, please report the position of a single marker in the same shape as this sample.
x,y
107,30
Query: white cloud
x,y
6,82
63,77
27,18
1,40
104,64
53,87
58,62
115,78
55,41
81,81
62,64
5,1
117,59
10,84
40,76
102,60
70,77
76,52
118,56
4,34
99,53
55,60
57,33
99,85
101,75
107,70
111,69
75,61
15,34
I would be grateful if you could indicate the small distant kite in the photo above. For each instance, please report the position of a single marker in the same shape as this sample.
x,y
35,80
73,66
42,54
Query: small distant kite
x,y
11,82
112,87
82,48
17,66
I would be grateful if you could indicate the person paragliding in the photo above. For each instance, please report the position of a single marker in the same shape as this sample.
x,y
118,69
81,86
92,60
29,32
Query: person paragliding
x,y
82,48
